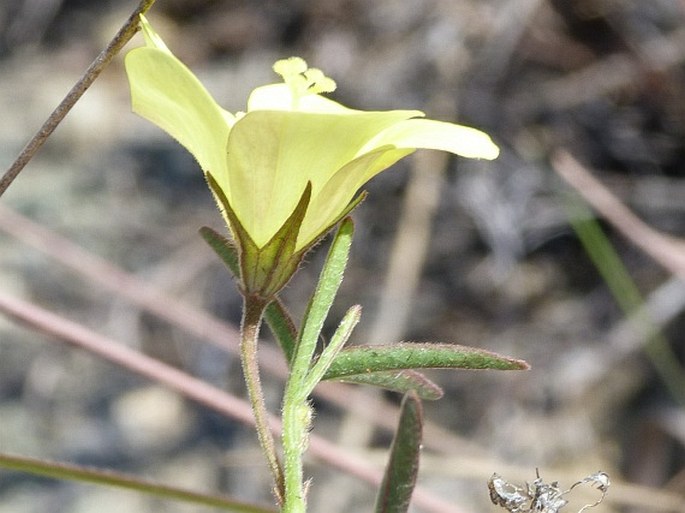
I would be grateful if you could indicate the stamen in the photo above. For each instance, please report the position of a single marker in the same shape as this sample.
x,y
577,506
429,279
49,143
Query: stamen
x,y
318,82
302,80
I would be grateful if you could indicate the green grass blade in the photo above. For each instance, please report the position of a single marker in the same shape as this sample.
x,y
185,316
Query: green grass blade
x,y
105,477
626,294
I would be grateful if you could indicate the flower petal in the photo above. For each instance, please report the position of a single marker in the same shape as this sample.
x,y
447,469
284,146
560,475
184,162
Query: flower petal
x,y
436,135
279,97
165,91
272,154
152,38
341,188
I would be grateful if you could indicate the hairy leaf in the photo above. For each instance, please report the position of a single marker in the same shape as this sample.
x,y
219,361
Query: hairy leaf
x,y
410,355
398,381
398,483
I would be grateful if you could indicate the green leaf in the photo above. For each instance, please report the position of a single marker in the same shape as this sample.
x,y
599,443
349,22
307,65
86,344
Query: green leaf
x,y
282,327
297,411
410,355
398,381
109,478
322,299
398,483
338,340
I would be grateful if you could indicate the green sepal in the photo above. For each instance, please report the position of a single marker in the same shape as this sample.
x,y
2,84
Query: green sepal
x,y
224,248
397,381
410,355
265,271
394,494
276,315
278,261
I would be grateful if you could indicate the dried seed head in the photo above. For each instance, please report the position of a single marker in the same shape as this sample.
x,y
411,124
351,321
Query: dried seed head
x,y
541,497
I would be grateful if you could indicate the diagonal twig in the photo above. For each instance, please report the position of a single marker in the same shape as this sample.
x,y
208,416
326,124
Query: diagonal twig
x,y
122,37
667,250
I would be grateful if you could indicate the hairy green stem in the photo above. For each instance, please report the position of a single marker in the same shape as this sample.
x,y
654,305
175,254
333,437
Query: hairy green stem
x,y
297,412
297,416
253,310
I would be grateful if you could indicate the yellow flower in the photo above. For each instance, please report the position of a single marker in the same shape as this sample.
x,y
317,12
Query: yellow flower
x,y
292,146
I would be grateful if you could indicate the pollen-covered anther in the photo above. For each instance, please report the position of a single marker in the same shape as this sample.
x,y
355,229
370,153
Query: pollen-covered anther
x,y
301,80
318,82
290,67
293,70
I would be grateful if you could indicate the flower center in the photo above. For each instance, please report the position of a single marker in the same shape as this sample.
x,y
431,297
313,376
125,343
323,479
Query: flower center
x,y
302,80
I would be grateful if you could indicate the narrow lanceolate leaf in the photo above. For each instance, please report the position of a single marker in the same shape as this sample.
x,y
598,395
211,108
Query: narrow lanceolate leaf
x,y
401,381
409,355
398,483
338,340
223,247
109,478
282,327
324,294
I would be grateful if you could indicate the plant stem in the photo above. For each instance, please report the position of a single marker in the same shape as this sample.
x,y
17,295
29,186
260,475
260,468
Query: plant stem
x,y
297,412
253,310
297,416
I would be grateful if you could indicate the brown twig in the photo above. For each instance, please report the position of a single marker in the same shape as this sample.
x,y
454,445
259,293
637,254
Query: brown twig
x,y
666,250
122,37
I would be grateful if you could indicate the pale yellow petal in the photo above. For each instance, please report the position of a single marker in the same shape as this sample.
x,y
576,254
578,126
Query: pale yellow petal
x,y
271,155
343,186
165,91
279,97
436,135
152,38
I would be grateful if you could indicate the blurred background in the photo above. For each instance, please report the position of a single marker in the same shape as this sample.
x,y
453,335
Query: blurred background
x,y
478,253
